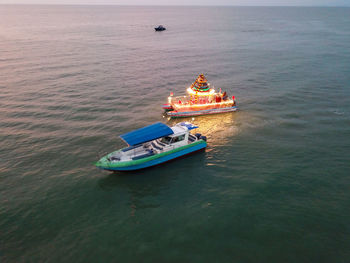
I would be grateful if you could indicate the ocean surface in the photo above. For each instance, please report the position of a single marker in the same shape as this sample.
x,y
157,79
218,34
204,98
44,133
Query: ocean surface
x,y
273,184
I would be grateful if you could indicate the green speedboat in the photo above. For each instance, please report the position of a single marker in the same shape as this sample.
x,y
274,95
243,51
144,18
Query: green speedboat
x,y
152,145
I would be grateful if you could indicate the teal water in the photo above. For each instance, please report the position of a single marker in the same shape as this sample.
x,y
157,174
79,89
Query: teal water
x,y
273,185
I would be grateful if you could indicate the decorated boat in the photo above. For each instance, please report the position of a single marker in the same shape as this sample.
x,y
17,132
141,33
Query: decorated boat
x,y
153,145
202,99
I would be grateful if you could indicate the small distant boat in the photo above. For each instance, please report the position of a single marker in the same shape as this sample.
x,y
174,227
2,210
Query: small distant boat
x,y
153,145
202,99
159,28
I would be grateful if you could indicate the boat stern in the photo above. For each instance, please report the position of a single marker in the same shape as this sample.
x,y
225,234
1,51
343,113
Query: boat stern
x,y
167,107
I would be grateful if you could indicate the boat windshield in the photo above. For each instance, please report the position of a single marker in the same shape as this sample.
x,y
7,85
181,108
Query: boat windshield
x,y
166,140
179,138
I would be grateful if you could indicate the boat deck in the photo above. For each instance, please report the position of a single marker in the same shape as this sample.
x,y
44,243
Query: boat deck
x,y
145,150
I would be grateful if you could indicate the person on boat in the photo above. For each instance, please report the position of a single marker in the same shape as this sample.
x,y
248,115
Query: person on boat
x,y
234,100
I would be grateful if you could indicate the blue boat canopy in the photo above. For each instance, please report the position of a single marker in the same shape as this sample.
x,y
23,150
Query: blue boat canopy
x,y
147,134
188,125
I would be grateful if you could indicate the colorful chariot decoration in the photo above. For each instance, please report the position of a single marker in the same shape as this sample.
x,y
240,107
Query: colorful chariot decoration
x,y
201,100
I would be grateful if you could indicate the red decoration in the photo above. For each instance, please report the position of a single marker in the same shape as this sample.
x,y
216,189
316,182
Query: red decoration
x,y
233,97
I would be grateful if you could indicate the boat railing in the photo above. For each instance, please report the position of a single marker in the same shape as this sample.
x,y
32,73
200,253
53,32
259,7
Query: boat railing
x,y
185,100
180,100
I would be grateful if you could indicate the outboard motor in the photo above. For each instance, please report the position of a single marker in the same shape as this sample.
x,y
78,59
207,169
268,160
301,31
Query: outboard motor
x,y
204,138
198,135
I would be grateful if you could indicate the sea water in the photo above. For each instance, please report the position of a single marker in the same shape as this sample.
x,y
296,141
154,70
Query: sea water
x,y
273,184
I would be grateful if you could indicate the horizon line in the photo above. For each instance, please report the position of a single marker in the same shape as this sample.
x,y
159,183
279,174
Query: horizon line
x,y
162,5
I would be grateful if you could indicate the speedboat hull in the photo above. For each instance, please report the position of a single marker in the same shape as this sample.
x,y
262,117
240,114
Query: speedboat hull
x,y
152,160
200,112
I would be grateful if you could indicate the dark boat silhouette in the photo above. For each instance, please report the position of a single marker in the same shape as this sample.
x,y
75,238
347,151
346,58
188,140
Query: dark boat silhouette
x,y
159,28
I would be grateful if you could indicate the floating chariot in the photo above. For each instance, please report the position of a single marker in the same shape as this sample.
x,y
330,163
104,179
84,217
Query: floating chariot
x,y
152,145
201,100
